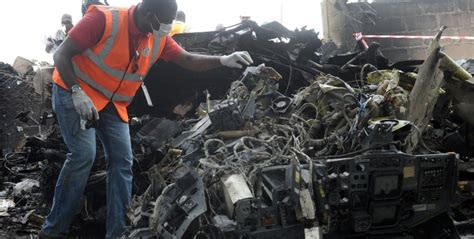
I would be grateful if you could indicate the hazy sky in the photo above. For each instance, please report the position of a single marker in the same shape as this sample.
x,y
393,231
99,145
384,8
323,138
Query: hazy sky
x,y
26,23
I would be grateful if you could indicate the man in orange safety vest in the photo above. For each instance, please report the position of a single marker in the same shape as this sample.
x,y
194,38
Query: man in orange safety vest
x,y
99,68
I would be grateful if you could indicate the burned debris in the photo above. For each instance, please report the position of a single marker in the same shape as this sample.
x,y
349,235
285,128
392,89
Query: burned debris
x,y
20,107
305,144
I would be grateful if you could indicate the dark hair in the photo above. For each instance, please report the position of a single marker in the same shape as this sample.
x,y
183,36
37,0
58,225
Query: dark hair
x,y
180,16
87,3
162,8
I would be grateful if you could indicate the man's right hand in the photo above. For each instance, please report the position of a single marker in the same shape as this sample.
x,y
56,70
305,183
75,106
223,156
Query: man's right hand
x,y
237,60
84,106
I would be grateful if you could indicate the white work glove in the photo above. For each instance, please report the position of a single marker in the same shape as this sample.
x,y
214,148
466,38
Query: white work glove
x,y
84,106
235,58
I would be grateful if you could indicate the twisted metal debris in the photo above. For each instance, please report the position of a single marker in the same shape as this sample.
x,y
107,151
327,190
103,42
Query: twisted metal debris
x,y
309,145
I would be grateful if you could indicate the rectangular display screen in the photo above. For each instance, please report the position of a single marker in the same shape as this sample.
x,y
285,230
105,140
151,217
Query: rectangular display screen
x,y
384,216
386,186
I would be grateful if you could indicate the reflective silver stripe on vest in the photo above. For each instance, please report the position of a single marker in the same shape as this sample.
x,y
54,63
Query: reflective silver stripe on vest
x,y
156,49
110,41
99,59
92,83
111,71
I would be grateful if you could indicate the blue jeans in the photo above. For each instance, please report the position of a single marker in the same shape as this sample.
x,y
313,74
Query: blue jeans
x,y
115,137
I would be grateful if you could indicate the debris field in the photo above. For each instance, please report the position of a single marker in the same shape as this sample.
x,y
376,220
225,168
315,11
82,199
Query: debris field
x,y
307,143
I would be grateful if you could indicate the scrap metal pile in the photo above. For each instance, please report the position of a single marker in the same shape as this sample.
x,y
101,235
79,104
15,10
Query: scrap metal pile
x,y
23,118
19,107
309,145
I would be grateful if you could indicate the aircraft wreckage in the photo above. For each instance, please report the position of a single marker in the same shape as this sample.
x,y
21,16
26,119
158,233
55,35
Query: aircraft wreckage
x,y
308,143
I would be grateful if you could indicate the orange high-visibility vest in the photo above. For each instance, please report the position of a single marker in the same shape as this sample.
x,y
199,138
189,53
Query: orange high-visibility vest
x,y
101,68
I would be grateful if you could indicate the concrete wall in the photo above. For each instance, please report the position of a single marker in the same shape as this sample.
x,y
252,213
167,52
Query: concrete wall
x,y
402,17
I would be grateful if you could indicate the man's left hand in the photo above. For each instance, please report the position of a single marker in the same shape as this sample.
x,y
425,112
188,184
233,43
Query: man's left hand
x,y
237,59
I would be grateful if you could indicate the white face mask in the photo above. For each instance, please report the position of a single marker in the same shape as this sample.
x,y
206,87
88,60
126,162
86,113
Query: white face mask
x,y
165,29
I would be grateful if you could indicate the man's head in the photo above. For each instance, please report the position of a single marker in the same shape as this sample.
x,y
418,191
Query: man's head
x,y
220,27
244,18
66,21
180,16
152,13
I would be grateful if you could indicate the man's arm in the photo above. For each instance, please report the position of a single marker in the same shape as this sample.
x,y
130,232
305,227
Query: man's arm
x,y
87,32
197,62
84,35
63,61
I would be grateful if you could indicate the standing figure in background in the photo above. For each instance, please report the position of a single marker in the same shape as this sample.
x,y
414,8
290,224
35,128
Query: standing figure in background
x,y
220,27
245,17
179,24
54,42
